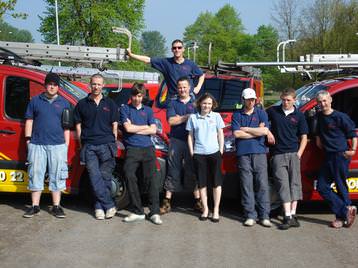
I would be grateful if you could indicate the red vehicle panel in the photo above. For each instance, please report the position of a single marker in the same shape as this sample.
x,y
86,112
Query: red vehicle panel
x,y
17,86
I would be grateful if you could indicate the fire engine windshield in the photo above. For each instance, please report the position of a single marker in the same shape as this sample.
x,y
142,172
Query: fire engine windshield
x,y
73,90
227,92
306,93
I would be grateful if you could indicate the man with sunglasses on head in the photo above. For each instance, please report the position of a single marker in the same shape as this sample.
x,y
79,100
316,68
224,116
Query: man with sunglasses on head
x,y
174,68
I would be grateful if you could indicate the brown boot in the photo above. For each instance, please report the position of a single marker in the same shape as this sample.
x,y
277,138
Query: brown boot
x,y
166,207
198,206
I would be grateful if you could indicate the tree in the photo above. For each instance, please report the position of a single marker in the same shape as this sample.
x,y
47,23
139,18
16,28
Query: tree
x,y
8,7
223,29
286,16
153,44
89,22
10,33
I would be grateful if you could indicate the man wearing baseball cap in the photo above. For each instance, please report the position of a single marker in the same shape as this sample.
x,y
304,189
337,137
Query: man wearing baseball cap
x,y
47,143
250,126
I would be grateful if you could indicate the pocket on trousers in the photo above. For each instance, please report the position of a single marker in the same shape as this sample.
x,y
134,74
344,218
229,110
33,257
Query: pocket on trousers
x,y
64,171
83,155
105,153
113,149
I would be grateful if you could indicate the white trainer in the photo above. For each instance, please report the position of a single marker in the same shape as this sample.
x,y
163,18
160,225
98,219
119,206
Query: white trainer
x,y
99,214
249,222
134,217
110,213
266,223
155,218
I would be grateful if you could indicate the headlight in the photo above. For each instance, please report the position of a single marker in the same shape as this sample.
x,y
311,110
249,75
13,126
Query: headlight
x,y
159,143
229,144
159,125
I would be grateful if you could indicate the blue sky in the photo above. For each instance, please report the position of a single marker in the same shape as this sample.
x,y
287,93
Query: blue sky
x,y
170,17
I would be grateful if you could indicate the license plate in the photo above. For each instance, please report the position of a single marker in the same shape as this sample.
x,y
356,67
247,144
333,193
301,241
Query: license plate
x,y
9,176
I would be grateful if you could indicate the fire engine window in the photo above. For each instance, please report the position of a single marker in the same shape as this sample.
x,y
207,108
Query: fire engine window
x,y
17,96
346,101
232,94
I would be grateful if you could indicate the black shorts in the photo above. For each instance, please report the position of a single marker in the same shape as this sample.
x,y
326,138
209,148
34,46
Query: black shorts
x,y
208,169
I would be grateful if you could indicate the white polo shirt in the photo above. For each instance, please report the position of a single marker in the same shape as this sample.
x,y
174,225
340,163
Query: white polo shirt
x,y
205,132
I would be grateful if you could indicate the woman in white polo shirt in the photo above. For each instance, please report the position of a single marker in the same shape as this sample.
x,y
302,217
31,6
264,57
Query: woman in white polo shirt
x,y
206,145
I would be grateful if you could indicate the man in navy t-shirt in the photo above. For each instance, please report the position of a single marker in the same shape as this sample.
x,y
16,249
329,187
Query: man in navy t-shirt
x,y
47,144
334,131
96,119
179,157
174,68
289,139
138,123
250,126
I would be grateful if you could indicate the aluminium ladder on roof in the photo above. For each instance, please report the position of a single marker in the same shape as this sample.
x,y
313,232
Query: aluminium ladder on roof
x,y
87,54
99,55
309,63
149,77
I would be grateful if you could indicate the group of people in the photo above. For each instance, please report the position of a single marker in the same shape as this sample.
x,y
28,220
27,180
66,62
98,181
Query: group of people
x,y
196,146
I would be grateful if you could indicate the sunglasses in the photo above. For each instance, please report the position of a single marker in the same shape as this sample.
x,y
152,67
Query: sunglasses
x,y
174,48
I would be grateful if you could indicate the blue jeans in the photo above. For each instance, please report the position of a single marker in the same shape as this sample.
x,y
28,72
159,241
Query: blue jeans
x,y
100,163
254,185
179,160
335,169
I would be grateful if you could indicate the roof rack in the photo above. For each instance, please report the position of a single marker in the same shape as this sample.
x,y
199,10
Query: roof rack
x,y
148,77
232,69
30,54
321,64
97,55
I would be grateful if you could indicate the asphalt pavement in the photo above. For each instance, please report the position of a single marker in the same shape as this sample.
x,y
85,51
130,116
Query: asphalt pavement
x,y
182,240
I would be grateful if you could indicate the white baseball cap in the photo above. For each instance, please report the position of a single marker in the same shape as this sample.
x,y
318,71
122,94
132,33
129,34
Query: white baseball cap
x,y
249,93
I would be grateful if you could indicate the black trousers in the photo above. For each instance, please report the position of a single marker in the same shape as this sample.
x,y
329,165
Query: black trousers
x,y
137,157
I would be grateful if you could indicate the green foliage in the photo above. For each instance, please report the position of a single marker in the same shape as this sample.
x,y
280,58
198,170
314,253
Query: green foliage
x,y
8,7
10,33
90,22
153,44
223,29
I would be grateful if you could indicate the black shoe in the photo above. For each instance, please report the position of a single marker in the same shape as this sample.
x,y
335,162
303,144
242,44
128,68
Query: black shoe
x,y
57,211
295,222
32,211
198,206
203,218
215,220
287,223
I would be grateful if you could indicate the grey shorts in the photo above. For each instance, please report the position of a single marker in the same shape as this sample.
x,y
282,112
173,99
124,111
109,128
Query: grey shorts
x,y
179,163
286,173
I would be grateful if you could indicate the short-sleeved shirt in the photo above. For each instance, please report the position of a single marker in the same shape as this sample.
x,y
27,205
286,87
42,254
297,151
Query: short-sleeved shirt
x,y
177,107
334,130
47,119
241,119
205,132
286,129
96,120
140,117
172,71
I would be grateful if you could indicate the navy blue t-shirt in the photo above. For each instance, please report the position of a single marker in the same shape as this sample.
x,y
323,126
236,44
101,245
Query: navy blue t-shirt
x,y
286,129
177,107
47,124
140,117
96,120
249,146
334,130
172,71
